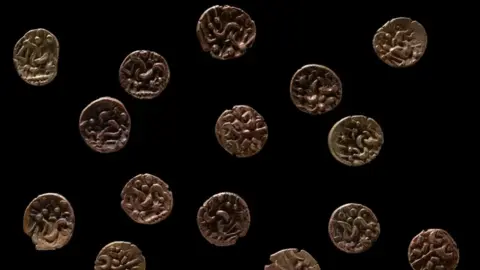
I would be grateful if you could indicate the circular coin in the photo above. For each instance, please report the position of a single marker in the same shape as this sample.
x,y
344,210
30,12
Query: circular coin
x,y
400,42
120,255
433,249
223,219
292,259
353,228
49,221
226,32
105,125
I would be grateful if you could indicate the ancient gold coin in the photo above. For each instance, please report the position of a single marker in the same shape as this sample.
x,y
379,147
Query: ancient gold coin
x,y
355,140
433,249
292,259
401,42
49,221
146,199
105,125
144,74
226,32
353,228
315,89
241,131
223,219
35,56
120,255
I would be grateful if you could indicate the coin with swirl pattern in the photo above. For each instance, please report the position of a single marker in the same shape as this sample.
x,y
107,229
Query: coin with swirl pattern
x,y
433,249
120,255
292,258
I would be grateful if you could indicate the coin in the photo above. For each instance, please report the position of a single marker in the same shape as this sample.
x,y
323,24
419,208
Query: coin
x,y
292,259
105,125
355,140
241,131
49,221
433,249
315,89
226,32
146,199
120,255
144,74
223,219
401,42
35,56
353,228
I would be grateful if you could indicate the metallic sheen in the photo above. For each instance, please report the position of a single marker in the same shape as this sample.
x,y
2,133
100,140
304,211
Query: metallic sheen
x,y
293,259
433,249
120,255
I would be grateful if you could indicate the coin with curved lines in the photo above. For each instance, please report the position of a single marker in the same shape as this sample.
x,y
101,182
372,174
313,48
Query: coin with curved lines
x,y
291,258
433,249
120,255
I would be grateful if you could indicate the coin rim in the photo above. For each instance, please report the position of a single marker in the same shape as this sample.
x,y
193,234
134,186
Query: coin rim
x,y
295,250
122,242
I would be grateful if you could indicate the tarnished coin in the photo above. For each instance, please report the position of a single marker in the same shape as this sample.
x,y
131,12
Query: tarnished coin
x,y
353,228
49,221
315,89
105,125
223,219
120,255
146,199
292,259
355,140
144,74
35,56
226,32
241,131
433,249
400,42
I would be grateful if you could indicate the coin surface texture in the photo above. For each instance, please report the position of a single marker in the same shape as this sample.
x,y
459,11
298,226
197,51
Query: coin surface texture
x,y
144,74
292,259
241,131
433,249
105,125
401,42
355,140
120,255
146,199
49,221
223,219
35,56
226,32
353,228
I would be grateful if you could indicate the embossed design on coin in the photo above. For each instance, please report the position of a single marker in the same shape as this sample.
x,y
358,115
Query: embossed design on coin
x,y
226,32
146,199
120,256
105,125
49,221
433,249
315,89
144,74
292,259
35,56
353,228
355,140
241,131
400,42
223,219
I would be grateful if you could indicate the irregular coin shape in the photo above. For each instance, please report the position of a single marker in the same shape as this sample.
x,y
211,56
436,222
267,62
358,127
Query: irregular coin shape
x,y
355,140
49,221
120,255
223,219
226,32
146,199
401,42
144,74
105,125
315,89
35,56
241,131
292,259
353,228
433,249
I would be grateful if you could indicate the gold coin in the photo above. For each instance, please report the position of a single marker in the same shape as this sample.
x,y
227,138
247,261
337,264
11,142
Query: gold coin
x,y
433,249
120,255
292,259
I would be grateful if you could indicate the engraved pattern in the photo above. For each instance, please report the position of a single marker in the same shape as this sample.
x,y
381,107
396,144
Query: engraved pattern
x,y
433,249
120,256
292,259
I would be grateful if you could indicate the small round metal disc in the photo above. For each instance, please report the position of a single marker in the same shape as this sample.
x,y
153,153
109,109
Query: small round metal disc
x,y
144,74
49,221
353,228
120,255
226,32
355,140
292,259
223,219
146,199
315,89
35,56
433,249
105,125
241,131
401,42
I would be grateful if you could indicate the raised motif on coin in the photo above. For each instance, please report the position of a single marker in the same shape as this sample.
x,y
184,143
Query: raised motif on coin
x,y
292,259
120,255
433,249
